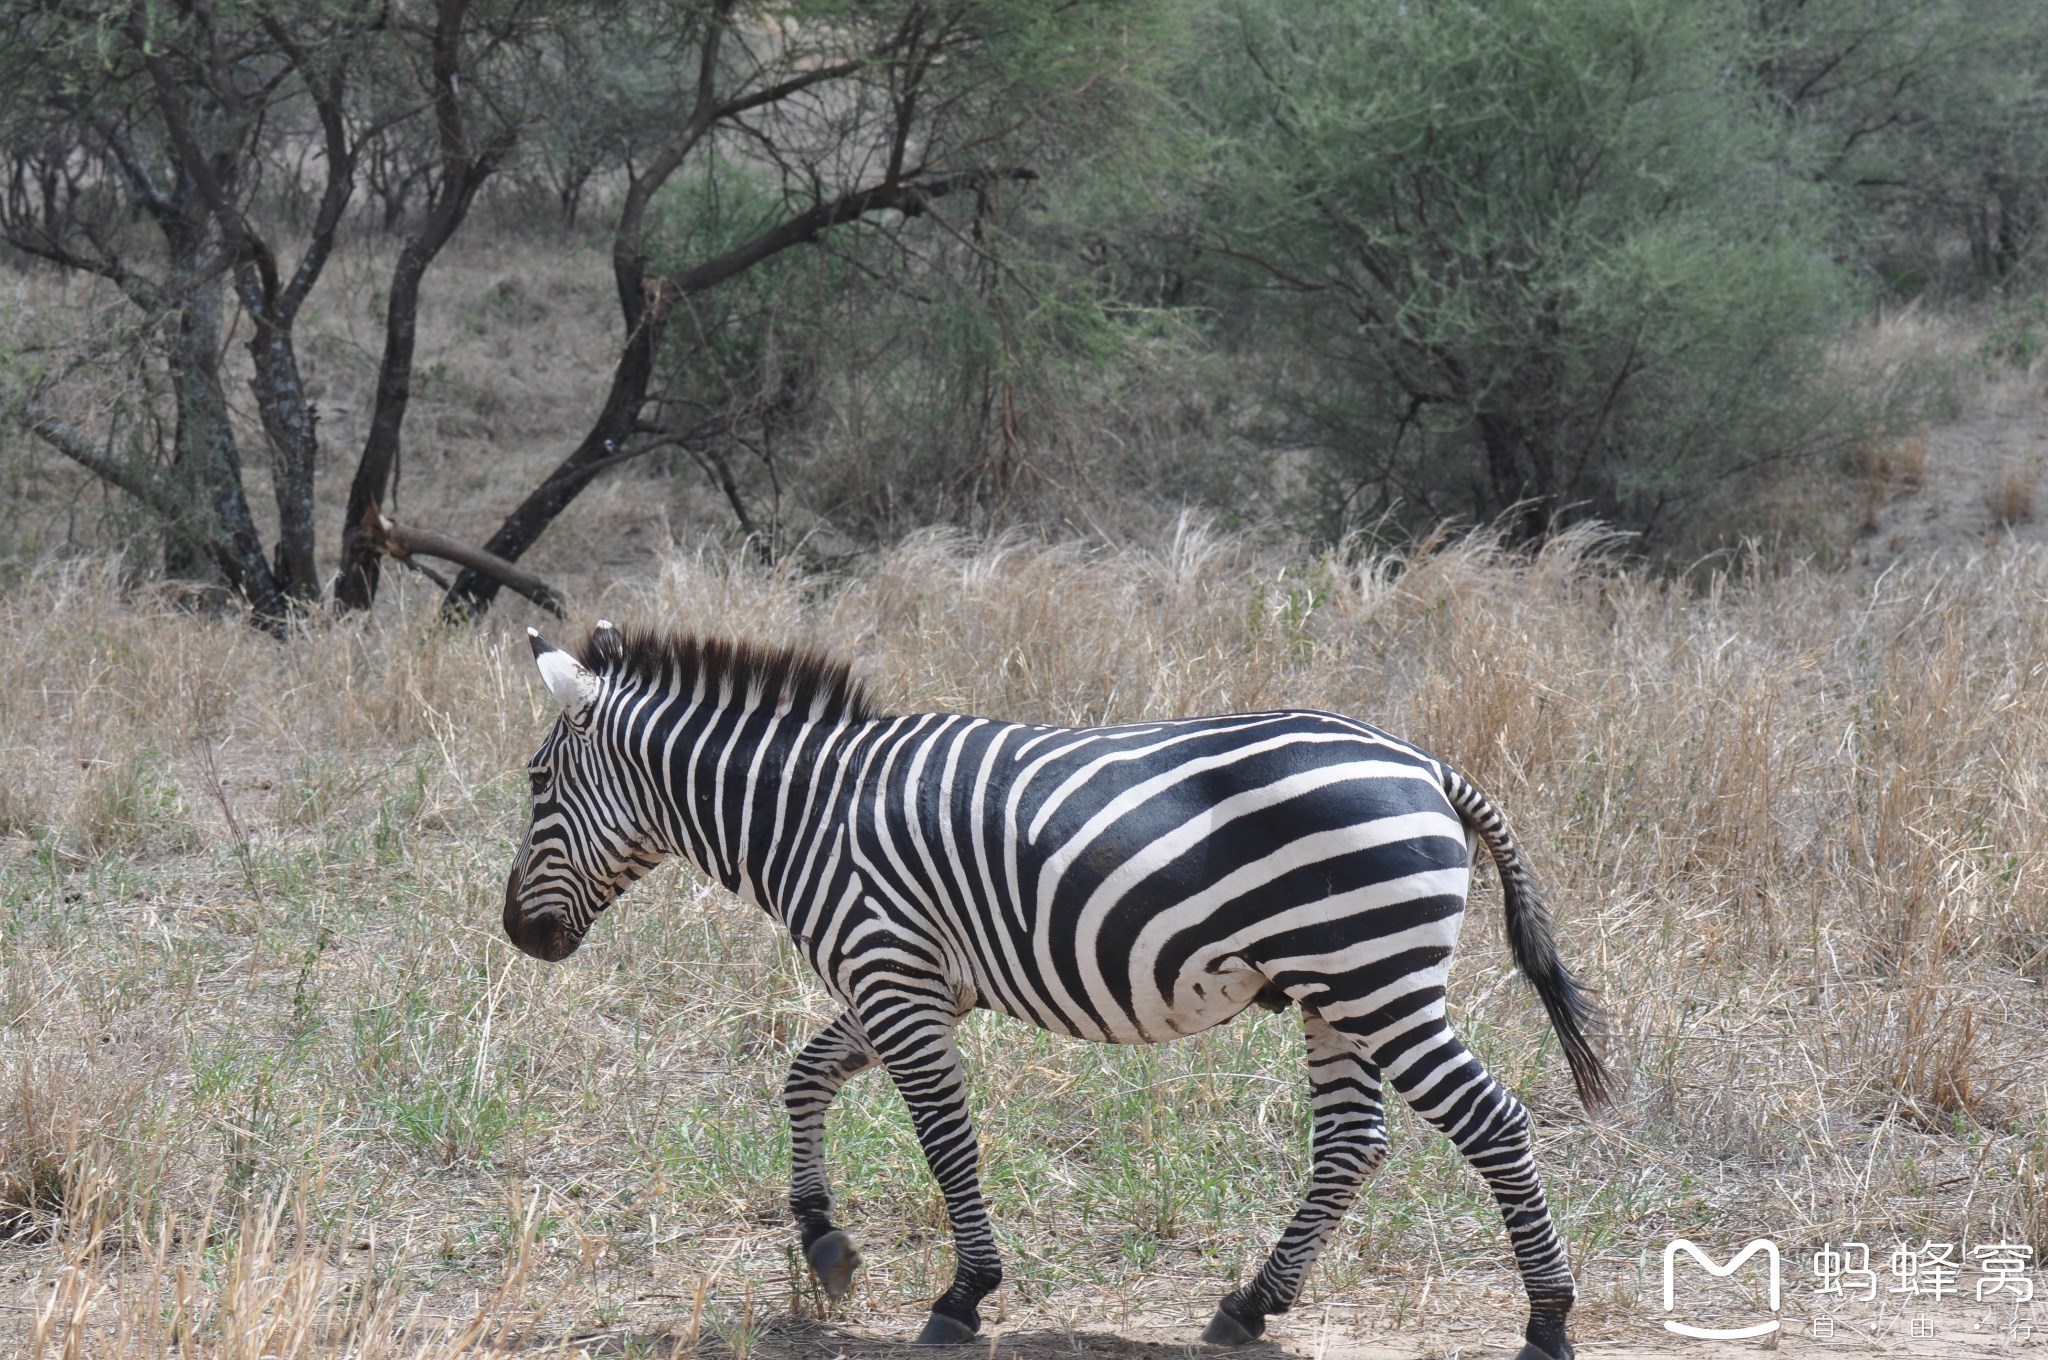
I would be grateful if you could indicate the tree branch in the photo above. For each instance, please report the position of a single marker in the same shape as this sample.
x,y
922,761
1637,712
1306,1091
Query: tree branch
x,y
473,590
910,199
42,245
61,435
341,169
67,439
140,182
740,104
169,100
380,535
629,266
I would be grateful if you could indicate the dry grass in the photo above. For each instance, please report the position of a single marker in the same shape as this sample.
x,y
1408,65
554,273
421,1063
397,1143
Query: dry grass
x,y
1882,470
1895,465
1907,369
2011,497
273,1080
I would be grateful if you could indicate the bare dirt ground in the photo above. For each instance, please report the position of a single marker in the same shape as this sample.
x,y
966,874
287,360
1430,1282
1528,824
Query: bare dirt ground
x,y
1451,1341
1968,487
1337,1333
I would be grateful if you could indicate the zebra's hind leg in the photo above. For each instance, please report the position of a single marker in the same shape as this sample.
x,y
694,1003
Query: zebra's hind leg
x,y
914,1035
1444,1083
1350,1142
834,1055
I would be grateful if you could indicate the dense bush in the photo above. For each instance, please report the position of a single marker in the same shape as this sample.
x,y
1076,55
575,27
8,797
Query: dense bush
x,y
1555,254
1933,116
986,262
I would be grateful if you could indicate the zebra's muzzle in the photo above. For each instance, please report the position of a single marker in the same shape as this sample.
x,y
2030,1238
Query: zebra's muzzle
x,y
546,937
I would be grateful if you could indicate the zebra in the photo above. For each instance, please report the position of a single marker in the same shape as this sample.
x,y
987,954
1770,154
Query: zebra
x,y
1128,884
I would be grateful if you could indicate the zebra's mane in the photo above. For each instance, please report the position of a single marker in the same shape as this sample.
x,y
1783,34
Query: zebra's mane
x,y
665,657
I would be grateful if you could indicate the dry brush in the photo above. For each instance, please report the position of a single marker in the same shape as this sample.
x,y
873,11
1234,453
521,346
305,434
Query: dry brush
x,y
258,1032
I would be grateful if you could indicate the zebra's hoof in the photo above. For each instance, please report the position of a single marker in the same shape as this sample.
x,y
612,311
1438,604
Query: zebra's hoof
x,y
833,1259
941,1330
1532,1351
1227,1329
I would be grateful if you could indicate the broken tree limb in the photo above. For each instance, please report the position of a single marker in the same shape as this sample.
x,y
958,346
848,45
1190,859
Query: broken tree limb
x,y
379,534
423,569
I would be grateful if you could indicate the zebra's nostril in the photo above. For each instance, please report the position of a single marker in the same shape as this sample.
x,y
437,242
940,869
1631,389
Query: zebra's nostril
x,y
545,934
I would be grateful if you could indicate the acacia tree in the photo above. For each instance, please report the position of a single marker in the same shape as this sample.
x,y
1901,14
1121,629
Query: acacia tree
x,y
464,159
165,118
1932,114
198,117
843,111
184,116
625,98
1551,254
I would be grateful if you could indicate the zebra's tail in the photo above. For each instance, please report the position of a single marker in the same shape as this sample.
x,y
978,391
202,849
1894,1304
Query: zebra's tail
x,y
1573,1013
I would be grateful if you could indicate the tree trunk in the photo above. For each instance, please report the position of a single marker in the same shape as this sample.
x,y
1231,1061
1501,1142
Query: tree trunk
x,y
207,467
200,419
206,464
646,314
356,588
463,169
290,421
1511,483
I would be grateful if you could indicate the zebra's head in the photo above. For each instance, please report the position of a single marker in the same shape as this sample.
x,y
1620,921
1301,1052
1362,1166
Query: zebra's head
x,y
583,846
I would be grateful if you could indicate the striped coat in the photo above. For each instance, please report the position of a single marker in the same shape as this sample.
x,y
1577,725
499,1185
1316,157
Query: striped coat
x,y
1127,884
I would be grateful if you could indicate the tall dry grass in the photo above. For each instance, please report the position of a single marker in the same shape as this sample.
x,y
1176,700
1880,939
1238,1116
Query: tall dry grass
x,y
257,1014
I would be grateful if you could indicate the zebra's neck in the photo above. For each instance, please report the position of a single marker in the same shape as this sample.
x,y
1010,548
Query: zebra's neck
x,y
746,783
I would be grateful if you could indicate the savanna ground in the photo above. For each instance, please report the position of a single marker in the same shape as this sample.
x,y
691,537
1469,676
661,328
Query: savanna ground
x,y
273,1073
272,1082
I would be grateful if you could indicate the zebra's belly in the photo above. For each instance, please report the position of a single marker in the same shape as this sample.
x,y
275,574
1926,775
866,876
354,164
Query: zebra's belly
x,y
1187,965
1200,1002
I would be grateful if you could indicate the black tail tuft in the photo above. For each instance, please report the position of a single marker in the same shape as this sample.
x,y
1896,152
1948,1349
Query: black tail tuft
x,y
1573,1014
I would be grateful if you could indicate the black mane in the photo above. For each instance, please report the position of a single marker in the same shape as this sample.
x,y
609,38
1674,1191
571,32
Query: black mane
x,y
659,657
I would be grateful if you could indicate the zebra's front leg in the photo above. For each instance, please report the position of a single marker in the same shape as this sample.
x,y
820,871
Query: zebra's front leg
x,y
833,1056
915,1040
1350,1142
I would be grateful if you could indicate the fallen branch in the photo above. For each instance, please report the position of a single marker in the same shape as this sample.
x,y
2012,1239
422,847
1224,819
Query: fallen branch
x,y
400,541
423,569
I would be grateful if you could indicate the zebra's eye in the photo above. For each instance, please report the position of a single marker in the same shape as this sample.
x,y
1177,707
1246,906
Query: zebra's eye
x,y
539,781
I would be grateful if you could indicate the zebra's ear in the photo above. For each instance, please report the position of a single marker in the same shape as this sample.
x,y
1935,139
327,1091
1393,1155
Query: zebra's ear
x,y
608,642
568,679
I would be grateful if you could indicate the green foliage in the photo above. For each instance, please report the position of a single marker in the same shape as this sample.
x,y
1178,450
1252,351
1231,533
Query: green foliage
x,y
1934,115
2018,334
127,802
730,344
1547,252
616,78
969,373
1335,259
424,1074
920,367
